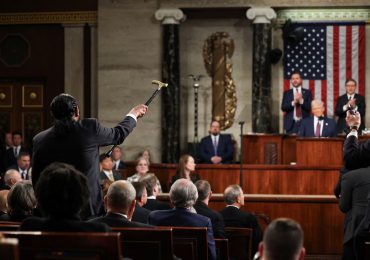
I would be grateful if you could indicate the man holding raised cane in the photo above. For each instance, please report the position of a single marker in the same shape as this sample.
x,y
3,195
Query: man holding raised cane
x,y
76,141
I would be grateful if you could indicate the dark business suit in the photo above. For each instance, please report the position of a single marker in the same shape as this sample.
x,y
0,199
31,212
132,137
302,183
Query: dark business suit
x,y
225,149
140,214
356,155
355,187
121,166
290,126
80,147
307,128
234,217
62,225
215,217
153,204
342,101
11,159
181,217
117,220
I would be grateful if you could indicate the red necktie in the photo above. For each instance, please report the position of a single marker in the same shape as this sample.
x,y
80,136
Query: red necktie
x,y
318,128
298,112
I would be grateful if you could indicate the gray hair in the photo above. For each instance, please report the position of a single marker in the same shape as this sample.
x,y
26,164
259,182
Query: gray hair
x,y
317,102
120,195
9,174
231,194
183,193
21,199
283,239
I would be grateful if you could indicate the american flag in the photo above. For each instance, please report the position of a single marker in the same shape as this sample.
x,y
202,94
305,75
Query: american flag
x,y
327,55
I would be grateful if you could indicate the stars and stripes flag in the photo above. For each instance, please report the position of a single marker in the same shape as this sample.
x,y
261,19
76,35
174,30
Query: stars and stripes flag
x,y
327,55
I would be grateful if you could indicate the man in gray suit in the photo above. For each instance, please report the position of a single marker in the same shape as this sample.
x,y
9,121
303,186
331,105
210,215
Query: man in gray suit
x,y
355,187
76,141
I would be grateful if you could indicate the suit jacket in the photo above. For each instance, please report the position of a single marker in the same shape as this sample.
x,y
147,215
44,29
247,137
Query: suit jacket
x,y
286,106
61,225
153,204
121,165
234,217
356,155
10,157
140,214
225,149
80,147
116,175
307,128
181,217
342,101
215,217
355,187
117,220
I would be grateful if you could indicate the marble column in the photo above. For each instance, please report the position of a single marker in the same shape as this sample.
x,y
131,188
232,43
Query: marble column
x,y
170,19
261,82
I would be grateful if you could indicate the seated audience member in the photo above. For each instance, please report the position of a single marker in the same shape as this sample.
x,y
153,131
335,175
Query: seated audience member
x,y
201,206
349,100
234,217
118,164
13,152
355,187
120,204
183,195
151,184
8,140
11,177
142,168
23,165
4,202
62,192
21,202
216,148
355,154
185,169
107,172
140,214
317,125
282,240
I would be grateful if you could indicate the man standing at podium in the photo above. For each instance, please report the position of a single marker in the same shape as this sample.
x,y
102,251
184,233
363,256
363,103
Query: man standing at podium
x,y
216,148
317,125
296,104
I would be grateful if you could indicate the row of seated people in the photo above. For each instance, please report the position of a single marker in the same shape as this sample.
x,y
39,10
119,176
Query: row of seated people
x,y
62,193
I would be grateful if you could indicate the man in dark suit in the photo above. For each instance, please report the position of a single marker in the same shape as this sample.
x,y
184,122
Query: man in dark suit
x,y
201,206
355,187
23,165
77,142
350,100
116,155
234,217
296,104
317,125
120,204
107,172
216,148
183,195
355,155
61,192
150,182
12,153
140,214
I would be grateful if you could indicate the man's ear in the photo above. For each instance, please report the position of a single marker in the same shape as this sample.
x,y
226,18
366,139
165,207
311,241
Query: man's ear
x,y
302,253
260,250
131,210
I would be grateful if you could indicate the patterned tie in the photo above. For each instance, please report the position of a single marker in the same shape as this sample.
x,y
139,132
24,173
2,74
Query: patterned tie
x,y
318,128
215,144
15,151
23,175
298,112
